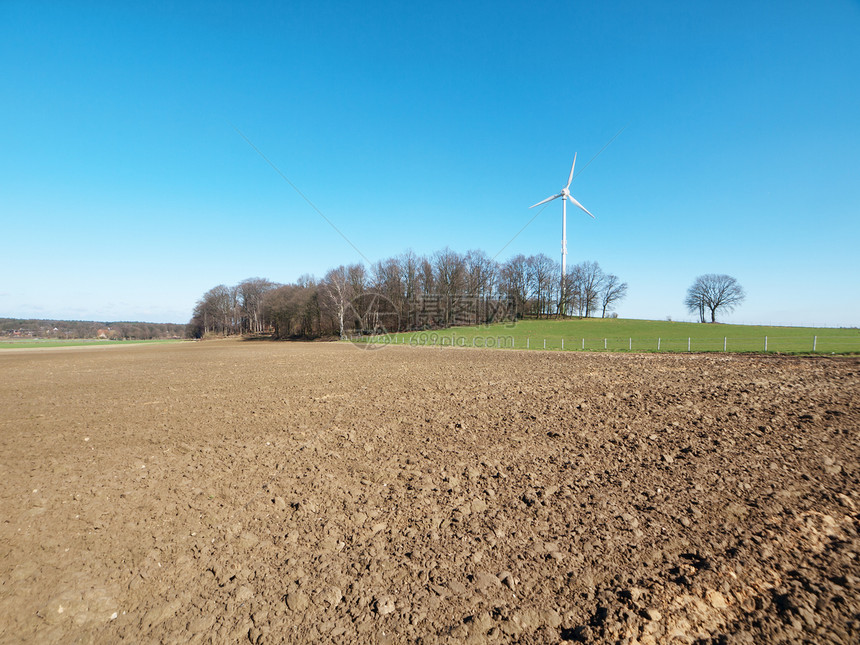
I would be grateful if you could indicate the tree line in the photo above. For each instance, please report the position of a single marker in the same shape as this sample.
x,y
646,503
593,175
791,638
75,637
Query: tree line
x,y
408,292
62,329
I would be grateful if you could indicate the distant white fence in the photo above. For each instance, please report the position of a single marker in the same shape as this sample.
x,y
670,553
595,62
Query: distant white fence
x,y
823,344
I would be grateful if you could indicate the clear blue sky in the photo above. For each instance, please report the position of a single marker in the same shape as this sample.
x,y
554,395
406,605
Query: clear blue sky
x,y
126,192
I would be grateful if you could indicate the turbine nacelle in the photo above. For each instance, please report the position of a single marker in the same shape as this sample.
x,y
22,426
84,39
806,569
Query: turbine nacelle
x,y
565,193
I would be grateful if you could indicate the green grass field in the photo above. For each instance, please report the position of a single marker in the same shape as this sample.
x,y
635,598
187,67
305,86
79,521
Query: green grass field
x,y
604,334
25,343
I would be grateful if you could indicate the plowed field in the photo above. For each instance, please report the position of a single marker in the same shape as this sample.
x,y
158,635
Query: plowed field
x,y
278,492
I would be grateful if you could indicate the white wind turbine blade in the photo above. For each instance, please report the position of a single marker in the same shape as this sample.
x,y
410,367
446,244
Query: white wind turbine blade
x,y
572,166
548,199
570,197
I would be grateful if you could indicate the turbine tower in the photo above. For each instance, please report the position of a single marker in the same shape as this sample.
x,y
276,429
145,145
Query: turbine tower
x,y
565,195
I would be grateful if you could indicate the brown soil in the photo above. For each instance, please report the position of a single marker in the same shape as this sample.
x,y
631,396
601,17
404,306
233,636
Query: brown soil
x,y
264,492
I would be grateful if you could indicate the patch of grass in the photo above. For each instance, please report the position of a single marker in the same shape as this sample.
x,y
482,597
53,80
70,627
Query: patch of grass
x,y
605,334
25,343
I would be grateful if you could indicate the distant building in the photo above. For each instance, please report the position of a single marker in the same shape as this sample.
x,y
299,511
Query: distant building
x,y
106,333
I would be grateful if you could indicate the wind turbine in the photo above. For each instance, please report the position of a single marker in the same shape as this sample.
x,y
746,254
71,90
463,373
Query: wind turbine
x,y
565,195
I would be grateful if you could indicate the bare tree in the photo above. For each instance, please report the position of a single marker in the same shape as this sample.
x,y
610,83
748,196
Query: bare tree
x,y
591,277
362,302
219,305
426,277
712,293
231,310
478,275
387,283
250,294
338,293
569,292
388,280
514,282
450,281
293,309
491,290
542,276
280,309
695,299
410,278
612,291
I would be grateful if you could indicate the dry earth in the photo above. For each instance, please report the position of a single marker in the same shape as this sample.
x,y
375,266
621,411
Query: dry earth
x,y
232,492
